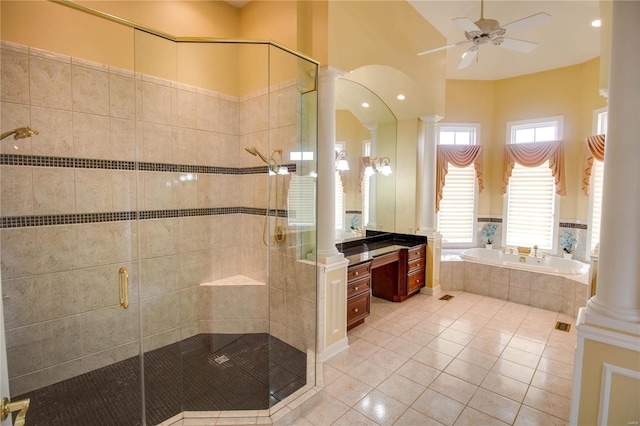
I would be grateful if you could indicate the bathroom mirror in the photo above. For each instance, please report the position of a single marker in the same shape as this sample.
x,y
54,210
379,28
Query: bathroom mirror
x,y
366,127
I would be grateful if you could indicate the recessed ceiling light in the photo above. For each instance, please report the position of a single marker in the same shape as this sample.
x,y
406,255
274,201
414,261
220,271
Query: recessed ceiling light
x,y
596,23
401,97
365,105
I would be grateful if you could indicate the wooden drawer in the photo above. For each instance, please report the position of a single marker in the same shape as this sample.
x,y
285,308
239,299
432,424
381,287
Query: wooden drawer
x,y
415,282
358,286
416,265
357,272
358,309
417,252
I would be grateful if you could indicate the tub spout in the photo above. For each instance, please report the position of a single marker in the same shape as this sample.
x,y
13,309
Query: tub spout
x,y
535,251
522,259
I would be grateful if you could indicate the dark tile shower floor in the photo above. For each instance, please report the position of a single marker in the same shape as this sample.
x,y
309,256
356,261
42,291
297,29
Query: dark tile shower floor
x,y
185,376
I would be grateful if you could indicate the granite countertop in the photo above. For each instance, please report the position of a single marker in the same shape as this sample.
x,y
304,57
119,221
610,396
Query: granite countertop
x,y
366,253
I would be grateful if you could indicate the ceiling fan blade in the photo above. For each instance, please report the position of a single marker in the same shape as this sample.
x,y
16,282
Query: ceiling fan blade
x,y
513,44
460,43
537,19
467,58
467,24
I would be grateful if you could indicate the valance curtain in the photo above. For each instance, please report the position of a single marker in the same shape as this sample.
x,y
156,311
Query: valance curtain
x,y
534,154
364,163
343,179
459,156
593,148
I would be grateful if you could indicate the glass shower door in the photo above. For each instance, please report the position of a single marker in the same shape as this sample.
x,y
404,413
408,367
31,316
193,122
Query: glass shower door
x,y
69,240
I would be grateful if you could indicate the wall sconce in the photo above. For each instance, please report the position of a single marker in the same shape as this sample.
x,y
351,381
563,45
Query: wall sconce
x,y
380,165
341,161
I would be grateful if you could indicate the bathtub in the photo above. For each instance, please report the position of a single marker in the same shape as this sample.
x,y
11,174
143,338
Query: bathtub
x,y
547,265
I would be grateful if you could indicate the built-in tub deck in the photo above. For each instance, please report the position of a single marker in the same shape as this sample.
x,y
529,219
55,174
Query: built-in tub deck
x,y
557,292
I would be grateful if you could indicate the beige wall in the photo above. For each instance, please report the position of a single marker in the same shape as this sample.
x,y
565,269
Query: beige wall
x,y
595,355
571,92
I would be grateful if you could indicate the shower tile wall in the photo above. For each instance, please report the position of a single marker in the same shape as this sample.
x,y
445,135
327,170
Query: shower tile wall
x,y
62,315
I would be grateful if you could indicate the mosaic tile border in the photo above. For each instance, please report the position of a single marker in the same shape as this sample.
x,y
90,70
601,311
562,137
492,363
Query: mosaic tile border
x,y
489,219
573,225
87,163
74,219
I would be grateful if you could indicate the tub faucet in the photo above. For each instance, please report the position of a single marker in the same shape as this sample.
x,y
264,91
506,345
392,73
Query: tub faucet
x,y
535,251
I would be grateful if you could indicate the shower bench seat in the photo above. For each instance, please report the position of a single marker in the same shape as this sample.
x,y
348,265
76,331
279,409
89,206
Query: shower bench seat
x,y
233,305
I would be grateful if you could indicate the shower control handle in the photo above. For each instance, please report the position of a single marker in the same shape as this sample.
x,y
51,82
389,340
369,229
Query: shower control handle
x,y
123,287
9,407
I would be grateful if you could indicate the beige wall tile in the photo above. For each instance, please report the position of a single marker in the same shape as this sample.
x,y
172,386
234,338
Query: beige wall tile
x,y
547,283
123,139
161,339
160,314
519,295
158,237
209,231
185,190
26,383
121,96
24,350
184,104
17,191
188,306
50,82
93,191
107,242
61,341
18,251
184,146
186,233
59,295
90,88
548,301
15,76
22,303
157,190
231,152
208,149
124,190
254,114
520,279
156,103
53,190
56,132
156,143
229,115
91,136
208,190
207,112
14,116
157,276
57,248
104,329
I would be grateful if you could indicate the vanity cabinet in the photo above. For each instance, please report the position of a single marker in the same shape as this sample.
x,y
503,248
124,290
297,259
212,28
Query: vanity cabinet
x,y
358,293
416,261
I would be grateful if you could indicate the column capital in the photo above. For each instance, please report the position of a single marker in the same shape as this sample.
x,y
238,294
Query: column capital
x,y
431,119
330,72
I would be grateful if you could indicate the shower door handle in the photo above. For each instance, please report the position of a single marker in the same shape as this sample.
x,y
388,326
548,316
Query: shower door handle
x,y
10,407
123,287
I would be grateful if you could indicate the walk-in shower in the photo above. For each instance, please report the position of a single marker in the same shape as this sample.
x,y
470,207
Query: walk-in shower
x,y
142,170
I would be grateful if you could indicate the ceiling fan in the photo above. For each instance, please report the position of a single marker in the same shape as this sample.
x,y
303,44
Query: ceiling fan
x,y
489,31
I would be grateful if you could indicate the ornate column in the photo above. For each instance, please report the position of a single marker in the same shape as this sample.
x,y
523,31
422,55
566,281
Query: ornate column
x,y
332,266
427,197
607,373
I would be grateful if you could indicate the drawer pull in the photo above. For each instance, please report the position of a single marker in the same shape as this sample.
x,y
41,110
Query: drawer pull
x,y
355,310
356,288
357,273
417,281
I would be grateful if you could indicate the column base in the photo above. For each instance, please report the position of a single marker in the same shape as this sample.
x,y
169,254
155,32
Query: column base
x,y
329,256
429,291
606,383
615,313
432,271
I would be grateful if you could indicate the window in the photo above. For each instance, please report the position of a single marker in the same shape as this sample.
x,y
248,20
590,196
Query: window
x,y
301,201
531,203
457,215
597,174
339,190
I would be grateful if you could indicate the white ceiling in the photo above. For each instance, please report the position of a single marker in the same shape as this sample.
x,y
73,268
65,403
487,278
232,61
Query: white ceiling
x,y
567,40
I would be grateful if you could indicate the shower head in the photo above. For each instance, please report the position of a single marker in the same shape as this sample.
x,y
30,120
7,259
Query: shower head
x,y
254,151
20,133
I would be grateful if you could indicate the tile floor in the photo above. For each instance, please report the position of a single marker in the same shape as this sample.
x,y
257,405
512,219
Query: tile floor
x,y
473,360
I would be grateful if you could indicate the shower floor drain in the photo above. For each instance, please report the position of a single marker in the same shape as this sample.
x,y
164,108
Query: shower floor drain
x,y
563,326
446,297
221,359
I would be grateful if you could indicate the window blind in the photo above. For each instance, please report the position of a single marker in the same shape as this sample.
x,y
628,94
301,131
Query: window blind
x,y
531,207
456,215
301,201
596,208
